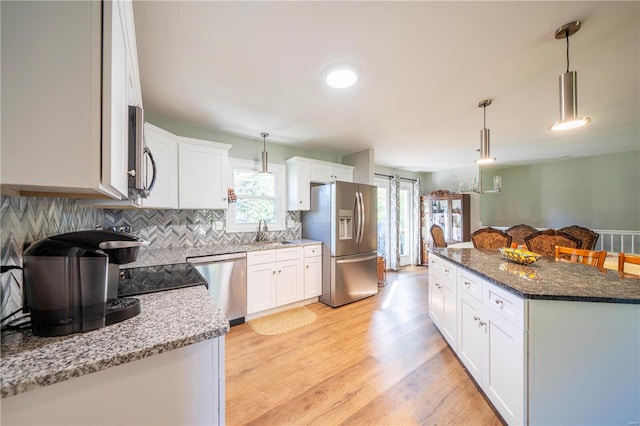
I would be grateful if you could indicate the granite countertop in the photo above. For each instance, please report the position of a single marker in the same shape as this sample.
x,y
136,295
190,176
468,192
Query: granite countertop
x,y
167,256
546,278
169,320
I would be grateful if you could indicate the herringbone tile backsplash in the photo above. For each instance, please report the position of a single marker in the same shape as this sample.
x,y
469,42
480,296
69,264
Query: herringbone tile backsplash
x,y
27,219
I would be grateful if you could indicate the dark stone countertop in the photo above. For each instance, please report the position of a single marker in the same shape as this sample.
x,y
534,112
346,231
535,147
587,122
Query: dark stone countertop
x,y
546,278
169,320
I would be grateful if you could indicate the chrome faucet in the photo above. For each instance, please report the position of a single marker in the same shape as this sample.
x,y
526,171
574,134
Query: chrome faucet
x,y
262,228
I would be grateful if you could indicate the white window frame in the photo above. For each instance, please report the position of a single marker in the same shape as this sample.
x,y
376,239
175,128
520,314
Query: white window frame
x,y
278,172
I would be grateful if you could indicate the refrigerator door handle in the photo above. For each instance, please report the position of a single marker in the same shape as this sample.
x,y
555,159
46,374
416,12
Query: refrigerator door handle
x,y
358,225
360,259
363,219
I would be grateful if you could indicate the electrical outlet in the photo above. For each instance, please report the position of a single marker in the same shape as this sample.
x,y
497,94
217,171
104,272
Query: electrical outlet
x,y
291,223
218,225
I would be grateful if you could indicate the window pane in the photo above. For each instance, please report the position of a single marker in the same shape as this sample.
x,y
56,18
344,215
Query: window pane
x,y
251,211
250,182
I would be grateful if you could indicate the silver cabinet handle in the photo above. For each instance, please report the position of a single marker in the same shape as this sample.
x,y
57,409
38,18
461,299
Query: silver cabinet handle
x,y
467,284
499,302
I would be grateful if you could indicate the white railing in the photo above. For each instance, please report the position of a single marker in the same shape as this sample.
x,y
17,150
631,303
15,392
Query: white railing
x,y
610,240
618,241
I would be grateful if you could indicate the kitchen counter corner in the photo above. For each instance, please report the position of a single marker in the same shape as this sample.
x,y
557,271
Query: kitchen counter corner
x,y
169,320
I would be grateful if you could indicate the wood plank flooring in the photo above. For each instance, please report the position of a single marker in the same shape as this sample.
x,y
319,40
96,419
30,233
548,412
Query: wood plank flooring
x,y
379,361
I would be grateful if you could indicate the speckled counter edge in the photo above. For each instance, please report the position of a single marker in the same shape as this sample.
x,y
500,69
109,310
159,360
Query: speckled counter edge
x,y
168,256
558,280
169,320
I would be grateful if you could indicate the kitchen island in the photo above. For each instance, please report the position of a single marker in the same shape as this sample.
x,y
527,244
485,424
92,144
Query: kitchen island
x,y
163,366
548,343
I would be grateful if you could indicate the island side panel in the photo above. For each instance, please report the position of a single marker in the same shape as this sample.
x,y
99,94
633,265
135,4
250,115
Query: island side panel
x,y
181,386
584,363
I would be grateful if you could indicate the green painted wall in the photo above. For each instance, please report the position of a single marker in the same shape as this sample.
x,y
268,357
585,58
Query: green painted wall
x,y
244,148
600,192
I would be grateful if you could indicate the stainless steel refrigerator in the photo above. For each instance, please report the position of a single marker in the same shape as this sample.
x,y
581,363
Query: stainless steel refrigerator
x,y
343,216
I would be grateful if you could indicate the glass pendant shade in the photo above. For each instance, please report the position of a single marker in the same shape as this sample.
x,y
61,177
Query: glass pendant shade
x,y
485,136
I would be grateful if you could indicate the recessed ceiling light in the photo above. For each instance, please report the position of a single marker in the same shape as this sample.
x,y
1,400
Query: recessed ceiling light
x,y
341,77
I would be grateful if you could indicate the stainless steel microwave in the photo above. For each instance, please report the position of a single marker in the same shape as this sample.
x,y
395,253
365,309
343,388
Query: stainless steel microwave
x,y
140,157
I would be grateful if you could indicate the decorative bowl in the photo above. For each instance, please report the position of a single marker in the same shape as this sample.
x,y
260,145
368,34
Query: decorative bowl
x,y
522,257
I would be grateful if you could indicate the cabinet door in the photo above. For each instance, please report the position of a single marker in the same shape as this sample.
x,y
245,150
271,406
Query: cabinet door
x,y
343,174
299,188
503,370
290,282
116,95
164,148
312,277
471,335
449,318
435,298
201,170
261,287
321,173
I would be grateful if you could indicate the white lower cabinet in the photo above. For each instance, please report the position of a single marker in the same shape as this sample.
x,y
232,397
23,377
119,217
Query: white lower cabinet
x,y
184,386
490,346
274,278
312,271
442,298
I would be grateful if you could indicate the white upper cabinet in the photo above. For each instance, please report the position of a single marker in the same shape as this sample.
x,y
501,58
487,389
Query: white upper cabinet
x,y
164,146
202,174
301,172
65,120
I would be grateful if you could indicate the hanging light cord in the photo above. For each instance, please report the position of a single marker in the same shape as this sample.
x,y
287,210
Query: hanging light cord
x,y
567,37
484,113
264,143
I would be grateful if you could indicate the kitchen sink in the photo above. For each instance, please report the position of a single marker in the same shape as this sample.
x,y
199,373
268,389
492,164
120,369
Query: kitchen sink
x,y
269,243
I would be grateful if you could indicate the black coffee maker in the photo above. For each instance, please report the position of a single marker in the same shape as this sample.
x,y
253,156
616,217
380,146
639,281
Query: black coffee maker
x,y
71,281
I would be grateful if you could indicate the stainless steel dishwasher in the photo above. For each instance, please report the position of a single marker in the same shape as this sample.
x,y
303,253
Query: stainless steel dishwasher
x,y
226,276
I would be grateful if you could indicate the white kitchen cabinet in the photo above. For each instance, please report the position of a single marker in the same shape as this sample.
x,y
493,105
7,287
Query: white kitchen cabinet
x,y
312,271
322,172
79,93
202,174
262,286
184,386
164,147
274,278
301,172
490,346
298,185
442,298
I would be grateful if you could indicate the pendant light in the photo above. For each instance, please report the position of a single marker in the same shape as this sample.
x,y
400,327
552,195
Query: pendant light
x,y
264,153
569,87
485,155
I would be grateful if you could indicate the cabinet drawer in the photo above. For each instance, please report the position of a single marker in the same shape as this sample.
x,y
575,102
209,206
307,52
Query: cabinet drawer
x,y
291,253
470,284
505,304
261,256
312,251
448,273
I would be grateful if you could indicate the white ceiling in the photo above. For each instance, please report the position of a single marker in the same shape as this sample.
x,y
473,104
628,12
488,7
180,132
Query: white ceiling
x,y
249,67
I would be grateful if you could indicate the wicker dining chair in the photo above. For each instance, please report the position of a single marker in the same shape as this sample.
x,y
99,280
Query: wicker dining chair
x,y
545,242
490,239
587,257
519,232
624,258
437,234
587,236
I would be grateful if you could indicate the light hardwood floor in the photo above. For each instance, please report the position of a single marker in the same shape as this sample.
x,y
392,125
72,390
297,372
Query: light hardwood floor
x,y
379,361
